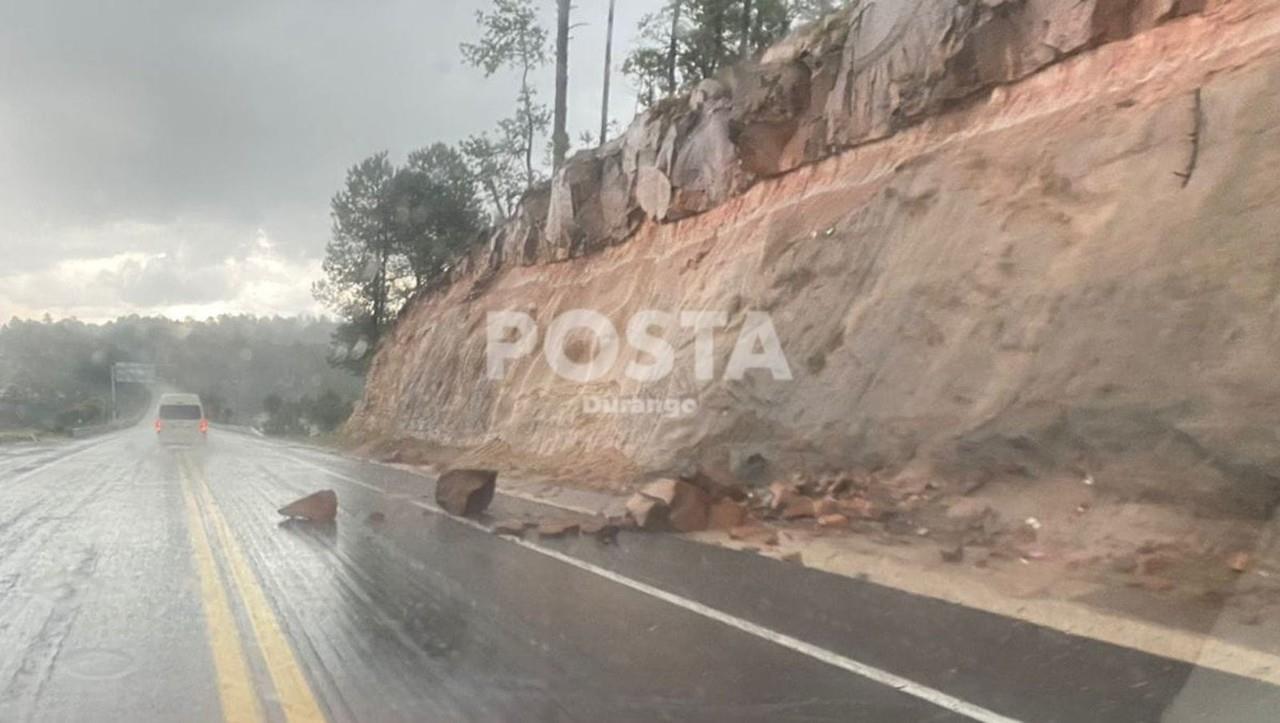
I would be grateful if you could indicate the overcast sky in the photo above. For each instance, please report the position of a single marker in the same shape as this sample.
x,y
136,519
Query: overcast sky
x,y
177,156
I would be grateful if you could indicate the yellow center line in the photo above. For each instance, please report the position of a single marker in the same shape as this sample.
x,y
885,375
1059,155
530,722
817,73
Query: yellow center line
x,y
235,685
292,690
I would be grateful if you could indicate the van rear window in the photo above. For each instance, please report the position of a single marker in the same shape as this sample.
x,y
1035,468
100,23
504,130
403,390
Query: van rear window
x,y
180,411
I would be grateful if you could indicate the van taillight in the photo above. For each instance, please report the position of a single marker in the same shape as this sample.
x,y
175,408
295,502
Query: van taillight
x,y
159,425
204,426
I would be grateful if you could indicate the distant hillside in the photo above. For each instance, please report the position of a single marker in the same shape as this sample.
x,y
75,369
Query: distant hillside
x,y
57,374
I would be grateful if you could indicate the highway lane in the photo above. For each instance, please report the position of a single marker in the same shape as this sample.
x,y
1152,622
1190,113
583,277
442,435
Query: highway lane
x,y
109,610
146,584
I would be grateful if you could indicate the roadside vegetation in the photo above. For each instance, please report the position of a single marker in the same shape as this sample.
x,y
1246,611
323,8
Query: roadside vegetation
x,y
56,375
398,229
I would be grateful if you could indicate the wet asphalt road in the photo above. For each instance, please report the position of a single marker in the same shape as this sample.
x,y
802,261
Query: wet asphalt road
x,y
138,583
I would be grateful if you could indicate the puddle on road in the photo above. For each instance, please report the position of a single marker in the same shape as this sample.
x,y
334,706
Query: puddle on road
x,y
98,663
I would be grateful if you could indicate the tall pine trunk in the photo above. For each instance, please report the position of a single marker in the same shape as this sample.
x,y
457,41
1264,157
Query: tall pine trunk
x,y
744,43
608,72
673,47
560,136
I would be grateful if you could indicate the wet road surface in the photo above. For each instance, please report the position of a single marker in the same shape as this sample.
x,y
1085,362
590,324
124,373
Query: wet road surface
x,y
138,583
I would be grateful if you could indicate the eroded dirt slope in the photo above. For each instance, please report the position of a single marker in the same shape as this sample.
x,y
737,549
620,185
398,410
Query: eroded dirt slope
x,y
1074,273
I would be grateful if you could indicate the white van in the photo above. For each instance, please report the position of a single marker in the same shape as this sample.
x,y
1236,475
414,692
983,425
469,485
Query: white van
x,y
181,420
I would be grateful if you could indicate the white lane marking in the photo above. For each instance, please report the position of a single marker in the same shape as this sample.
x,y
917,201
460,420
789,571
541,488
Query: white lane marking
x,y
883,677
59,460
1157,640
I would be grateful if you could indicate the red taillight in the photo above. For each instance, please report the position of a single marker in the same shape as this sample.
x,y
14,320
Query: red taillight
x,y
204,426
159,425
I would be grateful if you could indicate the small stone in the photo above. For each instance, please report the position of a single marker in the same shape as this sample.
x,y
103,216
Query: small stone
x,y
1239,561
601,528
754,533
833,520
780,493
792,557
953,555
375,518
797,507
513,528
557,528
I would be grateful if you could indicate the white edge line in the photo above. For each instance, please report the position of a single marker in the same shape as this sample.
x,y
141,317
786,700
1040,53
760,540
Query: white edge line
x,y
50,465
883,677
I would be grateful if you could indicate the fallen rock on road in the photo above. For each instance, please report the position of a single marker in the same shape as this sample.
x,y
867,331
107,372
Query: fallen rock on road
x,y
466,492
648,513
557,528
319,507
726,514
514,528
602,528
680,505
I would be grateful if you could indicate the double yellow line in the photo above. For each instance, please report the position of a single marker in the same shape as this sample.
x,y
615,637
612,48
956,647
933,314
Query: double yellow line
x,y
236,690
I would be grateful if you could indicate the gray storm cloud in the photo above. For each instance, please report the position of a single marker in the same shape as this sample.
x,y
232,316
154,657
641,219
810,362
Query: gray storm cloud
x,y
177,130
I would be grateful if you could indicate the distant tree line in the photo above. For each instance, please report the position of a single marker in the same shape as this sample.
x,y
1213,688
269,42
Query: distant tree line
x,y
305,415
399,228
56,374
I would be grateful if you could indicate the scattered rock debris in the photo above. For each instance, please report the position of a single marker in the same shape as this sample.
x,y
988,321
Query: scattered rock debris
x,y
833,520
513,528
603,529
1239,561
726,514
558,528
755,533
466,492
648,513
319,507
955,523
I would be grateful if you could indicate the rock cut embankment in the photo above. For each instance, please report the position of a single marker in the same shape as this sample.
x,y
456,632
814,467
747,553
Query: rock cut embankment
x,y
997,240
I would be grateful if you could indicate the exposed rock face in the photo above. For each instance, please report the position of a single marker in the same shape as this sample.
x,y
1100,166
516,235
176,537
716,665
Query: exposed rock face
x,y
859,75
967,226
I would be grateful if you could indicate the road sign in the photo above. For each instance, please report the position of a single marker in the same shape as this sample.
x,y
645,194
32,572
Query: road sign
x,y
135,373
129,373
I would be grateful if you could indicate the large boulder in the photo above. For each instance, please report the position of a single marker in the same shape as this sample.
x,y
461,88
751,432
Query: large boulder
x,y
466,492
319,507
687,506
